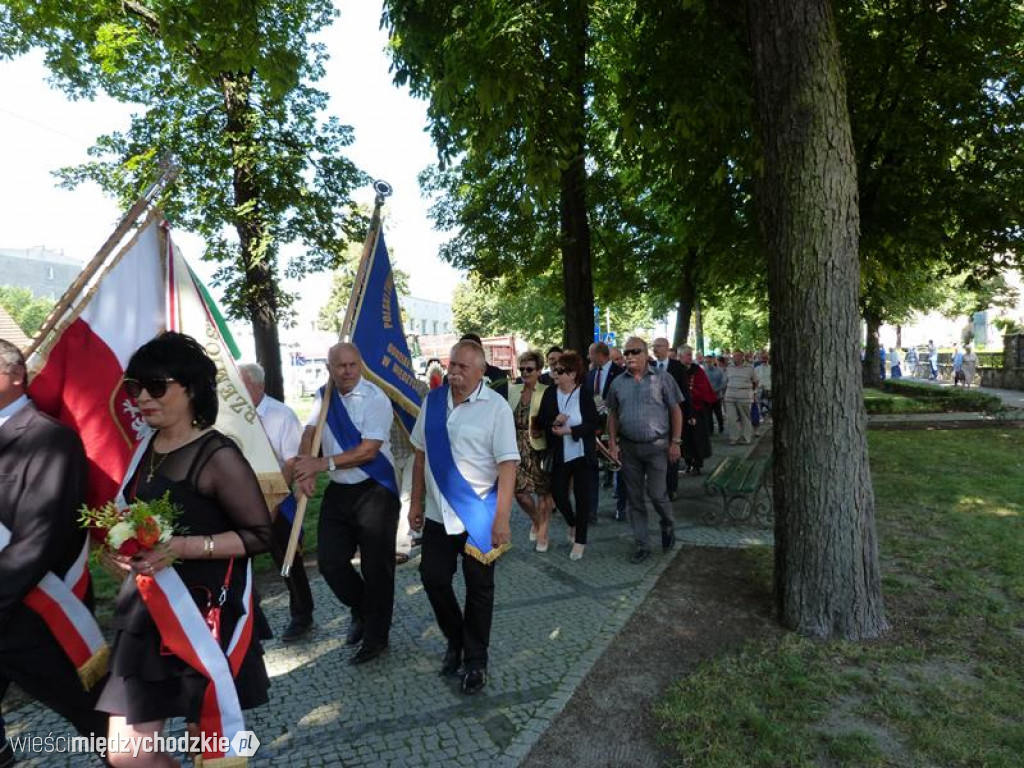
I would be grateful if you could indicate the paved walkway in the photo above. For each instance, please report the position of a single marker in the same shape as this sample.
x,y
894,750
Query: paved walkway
x,y
553,619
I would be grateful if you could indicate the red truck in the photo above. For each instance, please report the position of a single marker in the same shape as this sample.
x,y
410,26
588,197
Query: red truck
x,y
500,350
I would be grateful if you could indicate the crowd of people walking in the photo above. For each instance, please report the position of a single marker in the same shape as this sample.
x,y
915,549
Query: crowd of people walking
x,y
639,415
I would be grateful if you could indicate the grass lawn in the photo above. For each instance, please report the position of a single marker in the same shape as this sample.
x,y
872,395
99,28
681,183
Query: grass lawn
x,y
945,686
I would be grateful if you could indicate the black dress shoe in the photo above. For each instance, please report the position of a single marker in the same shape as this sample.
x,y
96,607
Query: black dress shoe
x,y
639,556
668,539
474,681
296,630
355,632
367,652
452,663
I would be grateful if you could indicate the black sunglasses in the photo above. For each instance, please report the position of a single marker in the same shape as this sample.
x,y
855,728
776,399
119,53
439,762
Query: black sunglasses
x,y
559,371
633,351
530,369
156,388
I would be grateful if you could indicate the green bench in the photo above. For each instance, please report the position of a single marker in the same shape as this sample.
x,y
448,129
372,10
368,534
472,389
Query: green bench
x,y
743,486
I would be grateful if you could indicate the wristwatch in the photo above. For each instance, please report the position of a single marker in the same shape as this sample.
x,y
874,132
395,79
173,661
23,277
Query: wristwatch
x,y
330,464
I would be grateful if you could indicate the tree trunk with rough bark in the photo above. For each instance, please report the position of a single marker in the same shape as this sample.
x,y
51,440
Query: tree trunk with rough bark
x,y
687,299
260,286
577,272
827,580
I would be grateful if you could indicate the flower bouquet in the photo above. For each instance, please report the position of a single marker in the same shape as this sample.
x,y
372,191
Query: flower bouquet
x,y
139,527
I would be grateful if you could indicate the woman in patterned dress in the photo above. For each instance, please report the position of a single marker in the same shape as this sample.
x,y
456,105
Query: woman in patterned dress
x,y
531,478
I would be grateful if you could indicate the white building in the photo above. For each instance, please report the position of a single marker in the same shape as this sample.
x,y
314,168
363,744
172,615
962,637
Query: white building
x,y
425,317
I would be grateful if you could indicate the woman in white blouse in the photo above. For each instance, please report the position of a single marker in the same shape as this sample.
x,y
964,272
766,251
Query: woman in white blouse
x,y
570,419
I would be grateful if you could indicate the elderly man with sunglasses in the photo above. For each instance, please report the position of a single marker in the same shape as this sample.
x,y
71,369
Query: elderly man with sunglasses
x,y
645,426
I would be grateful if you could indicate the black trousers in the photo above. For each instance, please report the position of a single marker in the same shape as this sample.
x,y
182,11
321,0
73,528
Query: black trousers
x,y
44,672
672,478
716,409
300,598
583,477
595,491
361,516
469,630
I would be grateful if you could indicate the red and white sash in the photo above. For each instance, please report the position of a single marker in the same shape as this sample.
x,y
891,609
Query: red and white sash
x,y
59,604
184,632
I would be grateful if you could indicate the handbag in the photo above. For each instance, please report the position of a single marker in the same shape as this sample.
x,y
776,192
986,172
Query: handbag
x,y
547,460
207,608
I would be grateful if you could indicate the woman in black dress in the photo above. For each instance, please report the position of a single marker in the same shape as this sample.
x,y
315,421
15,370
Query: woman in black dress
x,y
569,416
224,521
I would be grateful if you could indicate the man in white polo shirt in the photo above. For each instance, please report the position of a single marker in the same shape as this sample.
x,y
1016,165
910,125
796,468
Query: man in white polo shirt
x,y
285,434
465,466
361,504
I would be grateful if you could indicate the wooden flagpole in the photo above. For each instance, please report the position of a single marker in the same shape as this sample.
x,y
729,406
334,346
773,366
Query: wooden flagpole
x,y
168,172
383,190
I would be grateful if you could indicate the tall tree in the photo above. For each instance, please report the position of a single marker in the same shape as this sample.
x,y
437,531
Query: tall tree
x,y
226,90
935,93
508,85
827,581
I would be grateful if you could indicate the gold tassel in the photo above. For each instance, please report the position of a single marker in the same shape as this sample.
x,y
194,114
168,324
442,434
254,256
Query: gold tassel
x,y
491,556
95,668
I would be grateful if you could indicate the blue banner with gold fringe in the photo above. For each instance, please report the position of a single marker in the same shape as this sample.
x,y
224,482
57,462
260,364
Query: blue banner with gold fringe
x,y
377,331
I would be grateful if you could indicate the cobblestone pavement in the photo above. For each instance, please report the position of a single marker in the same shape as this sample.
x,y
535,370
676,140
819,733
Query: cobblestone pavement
x,y
553,619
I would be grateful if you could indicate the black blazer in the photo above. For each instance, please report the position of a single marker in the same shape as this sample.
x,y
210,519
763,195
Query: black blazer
x,y
584,431
42,485
614,372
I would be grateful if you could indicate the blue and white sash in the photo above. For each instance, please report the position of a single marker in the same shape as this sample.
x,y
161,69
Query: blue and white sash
x,y
348,437
475,513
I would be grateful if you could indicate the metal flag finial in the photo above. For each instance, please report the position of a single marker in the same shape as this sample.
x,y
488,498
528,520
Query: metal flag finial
x,y
383,190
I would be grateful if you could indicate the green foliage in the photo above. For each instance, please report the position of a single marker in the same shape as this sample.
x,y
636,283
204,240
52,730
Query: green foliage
x,y
224,89
936,110
27,311
532,309
332,314
738,320
508,85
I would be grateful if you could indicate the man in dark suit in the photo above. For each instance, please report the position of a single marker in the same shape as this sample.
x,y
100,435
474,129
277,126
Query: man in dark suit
x,y
42,485
600,376
677,371
551,358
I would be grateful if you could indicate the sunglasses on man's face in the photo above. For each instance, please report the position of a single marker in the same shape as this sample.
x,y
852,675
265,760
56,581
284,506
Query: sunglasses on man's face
x,y
529,369
156,388
633,351
559,371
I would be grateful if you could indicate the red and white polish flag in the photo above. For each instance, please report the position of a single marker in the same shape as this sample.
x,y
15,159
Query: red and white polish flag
x,y
76,373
